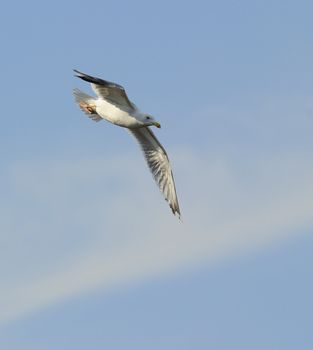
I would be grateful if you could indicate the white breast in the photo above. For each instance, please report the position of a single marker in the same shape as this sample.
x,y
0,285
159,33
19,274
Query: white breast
x,y
116,115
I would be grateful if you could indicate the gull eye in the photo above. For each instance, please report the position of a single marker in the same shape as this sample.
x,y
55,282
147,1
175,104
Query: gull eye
x,y
148,118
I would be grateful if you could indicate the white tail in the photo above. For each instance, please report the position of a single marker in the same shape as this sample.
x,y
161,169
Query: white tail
x,y
85,101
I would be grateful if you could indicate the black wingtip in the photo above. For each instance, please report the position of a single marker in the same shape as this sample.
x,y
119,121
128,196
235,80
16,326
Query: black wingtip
x,y
78,73
82,75
89,78
94,80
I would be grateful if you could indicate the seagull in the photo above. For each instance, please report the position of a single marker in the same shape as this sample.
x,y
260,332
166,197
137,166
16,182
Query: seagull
x,y
113,105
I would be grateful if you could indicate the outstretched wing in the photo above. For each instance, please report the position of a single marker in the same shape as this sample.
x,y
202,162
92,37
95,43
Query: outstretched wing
x,y
109,91
159,165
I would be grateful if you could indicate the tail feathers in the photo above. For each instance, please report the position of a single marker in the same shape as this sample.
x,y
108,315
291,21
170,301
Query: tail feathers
x,y
83,100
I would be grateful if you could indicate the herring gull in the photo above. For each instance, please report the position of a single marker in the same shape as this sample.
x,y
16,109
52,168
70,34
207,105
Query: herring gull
x,y
113,105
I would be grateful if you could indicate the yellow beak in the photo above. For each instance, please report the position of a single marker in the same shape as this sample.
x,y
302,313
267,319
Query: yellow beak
x,y
158,125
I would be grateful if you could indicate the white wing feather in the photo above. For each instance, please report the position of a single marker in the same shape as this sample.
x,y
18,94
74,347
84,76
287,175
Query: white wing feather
x,y
159,164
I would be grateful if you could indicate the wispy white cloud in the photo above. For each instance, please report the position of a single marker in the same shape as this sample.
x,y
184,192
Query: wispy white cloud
x,y
73,226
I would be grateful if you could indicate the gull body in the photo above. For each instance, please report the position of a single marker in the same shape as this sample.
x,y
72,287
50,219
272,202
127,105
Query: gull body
x,y
113,105
117,116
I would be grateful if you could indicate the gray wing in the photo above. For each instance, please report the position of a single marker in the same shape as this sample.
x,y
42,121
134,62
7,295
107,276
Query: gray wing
x,y
109,91
159,165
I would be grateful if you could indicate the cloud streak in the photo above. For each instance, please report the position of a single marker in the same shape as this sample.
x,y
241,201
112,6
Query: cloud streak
x,y
76,235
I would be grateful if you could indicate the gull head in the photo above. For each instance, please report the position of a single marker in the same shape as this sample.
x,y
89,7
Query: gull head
x,y
148,120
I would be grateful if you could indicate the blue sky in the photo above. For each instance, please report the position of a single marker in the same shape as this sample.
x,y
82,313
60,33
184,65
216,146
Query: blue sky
x,y
90,255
